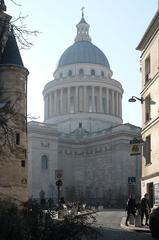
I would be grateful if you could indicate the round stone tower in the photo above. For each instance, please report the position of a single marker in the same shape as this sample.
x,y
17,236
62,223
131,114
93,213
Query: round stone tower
x,y
13,99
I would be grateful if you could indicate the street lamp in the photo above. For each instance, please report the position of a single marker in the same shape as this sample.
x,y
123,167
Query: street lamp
x,y
133,99
59,184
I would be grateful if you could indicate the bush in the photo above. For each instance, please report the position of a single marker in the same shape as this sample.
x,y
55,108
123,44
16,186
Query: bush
x,y
32,223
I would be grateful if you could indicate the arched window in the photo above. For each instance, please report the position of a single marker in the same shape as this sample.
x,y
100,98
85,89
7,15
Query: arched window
x,y
69,73
92,72
44,162
81,72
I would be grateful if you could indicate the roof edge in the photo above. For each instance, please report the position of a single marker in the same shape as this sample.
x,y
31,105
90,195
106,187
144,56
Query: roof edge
x,y
149,32
14,66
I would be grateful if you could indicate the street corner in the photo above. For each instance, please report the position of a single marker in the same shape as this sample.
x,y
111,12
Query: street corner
x,y
131,227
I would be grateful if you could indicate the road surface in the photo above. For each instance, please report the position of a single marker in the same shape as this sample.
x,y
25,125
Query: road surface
x,y
109,224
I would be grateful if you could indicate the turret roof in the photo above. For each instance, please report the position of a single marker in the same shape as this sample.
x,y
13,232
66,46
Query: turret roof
x,y
11,53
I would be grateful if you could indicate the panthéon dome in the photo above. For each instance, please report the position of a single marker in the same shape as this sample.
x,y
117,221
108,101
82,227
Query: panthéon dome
x,y
83,51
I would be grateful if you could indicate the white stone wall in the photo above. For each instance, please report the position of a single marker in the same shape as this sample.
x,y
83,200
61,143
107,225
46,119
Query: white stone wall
x,y
98,169
42,142
150,127
95,167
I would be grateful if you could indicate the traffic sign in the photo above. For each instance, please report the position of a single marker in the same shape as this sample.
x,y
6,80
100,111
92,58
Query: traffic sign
x,y
58,174
131,180
59,183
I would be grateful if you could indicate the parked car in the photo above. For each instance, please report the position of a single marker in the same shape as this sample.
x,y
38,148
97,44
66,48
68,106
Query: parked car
x,y
154,222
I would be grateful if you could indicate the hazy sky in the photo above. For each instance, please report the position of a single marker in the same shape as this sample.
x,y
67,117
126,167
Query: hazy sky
x,y
116,27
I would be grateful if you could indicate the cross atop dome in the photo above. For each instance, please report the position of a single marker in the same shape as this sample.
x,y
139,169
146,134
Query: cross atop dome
x,y
82,29
82,9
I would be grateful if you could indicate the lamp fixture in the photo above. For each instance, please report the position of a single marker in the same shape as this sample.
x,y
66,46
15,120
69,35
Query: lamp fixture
x,y
134,98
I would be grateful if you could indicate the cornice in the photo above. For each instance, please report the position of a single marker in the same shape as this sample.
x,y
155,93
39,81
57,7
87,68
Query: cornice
x,y
14,67
156,174
153,26
87,81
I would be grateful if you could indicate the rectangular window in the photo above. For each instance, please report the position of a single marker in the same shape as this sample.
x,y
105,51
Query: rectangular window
x,y
44,162
148,150
147,69
17,139
23,163
147,108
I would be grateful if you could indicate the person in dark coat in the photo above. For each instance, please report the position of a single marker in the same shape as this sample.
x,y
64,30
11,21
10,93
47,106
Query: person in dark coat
x,y
130,207
145,208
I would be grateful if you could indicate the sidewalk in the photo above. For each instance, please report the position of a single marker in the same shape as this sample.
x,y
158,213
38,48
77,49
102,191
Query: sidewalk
x,y
133,228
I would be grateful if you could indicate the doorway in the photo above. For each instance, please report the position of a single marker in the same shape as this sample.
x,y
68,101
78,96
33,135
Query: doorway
x,y
150,191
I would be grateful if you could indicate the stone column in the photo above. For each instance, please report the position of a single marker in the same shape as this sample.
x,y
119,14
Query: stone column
x,y
93,103
47,106
107,100
85,99
120,105
61,101
81,100
55,102
117,104
68,99
100,100
45,112
76,99
113,102
50,104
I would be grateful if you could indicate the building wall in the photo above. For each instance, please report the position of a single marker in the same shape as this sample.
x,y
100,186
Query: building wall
x,y
95,167
149,47
41,178
98,171
13,173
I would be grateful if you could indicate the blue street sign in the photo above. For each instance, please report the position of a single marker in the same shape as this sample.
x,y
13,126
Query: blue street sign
x,y
131,180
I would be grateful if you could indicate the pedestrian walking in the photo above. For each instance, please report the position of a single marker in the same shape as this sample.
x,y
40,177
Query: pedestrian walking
x,y
145,209
130,208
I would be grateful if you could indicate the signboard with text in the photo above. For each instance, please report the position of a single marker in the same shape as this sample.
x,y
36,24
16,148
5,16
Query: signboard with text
x,y
135,148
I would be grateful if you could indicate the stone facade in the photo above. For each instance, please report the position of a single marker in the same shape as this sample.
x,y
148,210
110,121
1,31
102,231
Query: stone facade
x,y
83,134
149,61
96,166
13,82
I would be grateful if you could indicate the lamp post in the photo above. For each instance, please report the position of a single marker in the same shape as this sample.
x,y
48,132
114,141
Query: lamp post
x,y
137,142
134,98
58,184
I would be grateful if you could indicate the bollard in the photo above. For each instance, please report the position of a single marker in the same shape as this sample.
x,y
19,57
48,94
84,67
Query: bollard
x,y
132,220
138,220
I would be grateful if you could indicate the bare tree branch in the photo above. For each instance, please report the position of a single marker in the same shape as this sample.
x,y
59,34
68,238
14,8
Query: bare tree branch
x,y
22,33
10,117
17,4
